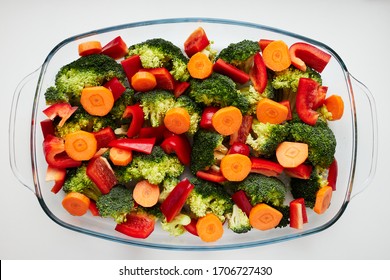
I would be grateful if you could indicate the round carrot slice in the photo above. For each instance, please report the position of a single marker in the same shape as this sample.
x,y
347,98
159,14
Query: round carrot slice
x,y
97,101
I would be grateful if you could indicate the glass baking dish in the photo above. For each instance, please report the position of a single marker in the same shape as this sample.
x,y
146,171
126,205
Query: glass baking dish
x,y
356,132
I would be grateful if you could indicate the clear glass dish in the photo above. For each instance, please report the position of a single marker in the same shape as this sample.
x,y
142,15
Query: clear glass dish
x,y
356,136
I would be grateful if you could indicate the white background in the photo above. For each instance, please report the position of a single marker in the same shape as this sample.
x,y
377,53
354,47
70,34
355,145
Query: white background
x,y
357,30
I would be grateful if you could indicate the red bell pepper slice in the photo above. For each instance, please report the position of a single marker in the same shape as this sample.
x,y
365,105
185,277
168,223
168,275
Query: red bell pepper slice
x,y
207,115
55,155
131,65
164,79
303,54
175,200
288,105
266,167
57,175
101,173
104,137
63,110
244,130
47,128
309,97
332,174
180,88
211,176
116,87
116,48
231,71
143,145
302,171
258,73
239,148
298,215
93,208
137,225
196,42
263,43
137,119
153,132
241,200
191,227
180,145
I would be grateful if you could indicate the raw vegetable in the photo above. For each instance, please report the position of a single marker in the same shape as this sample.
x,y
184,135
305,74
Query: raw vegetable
x,y
196,42
143,81
276,56
323,199
137,225
335,105
76,204
90,47
120,157
269,111
264,217
177,120
116,48
227,120
291,154
199,66
97,101
146,194
209,228
303,54
80,145
235,167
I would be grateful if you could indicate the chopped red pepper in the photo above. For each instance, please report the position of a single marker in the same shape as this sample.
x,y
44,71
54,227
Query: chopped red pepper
x,y
63,110
302,171
196,42
175,200
266,167
263,43
231,71
207,115
180,88
211,176
191,227
153,132
303,54
332,174
101,173
144,145
241,200
137,225
55,155
47,127
57,175
258,73
288,105
298,215
164,79
116,87
116,48
104,137
137,119
93,208
239,148
244,130
180,145
131,65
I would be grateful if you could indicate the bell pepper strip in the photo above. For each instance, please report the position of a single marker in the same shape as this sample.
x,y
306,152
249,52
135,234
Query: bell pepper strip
x,y
231,71
288,105
309,97
143,145
136,114
241,200
207,115
191,227
131,65
303,55
100,172
302,171
104,137
153,132
55,155
196,42
116,48
180,88
57,175
258,73
93,208
239,148
243,132
63,110
137,225
298,215
176,199
180,145
116,87
332,174
163,77
263,43
266,167
47,127
211,176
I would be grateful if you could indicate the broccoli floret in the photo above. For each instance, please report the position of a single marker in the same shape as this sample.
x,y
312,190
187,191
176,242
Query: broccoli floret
x,y
167,186
87,71
205,143
154,167
307,188
285,210
159,52
176,226
207,197
116,204
238,222
263,189
266,137
193,110
155,104
77,180
320,139
120,104
217,90
240,54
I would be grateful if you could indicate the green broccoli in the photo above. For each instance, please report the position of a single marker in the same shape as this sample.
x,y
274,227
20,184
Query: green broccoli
x,y
116,204
77,180
307,188
320,139
168,185
193,109
285,210
154,167
176,226
205,143
120,105
159,52
87,71
207,197
240,54
217,90
266,137
262,189
155,104
238,221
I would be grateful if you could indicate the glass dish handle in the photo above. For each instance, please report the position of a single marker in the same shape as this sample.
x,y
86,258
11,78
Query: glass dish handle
x,y
367,136
20,130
